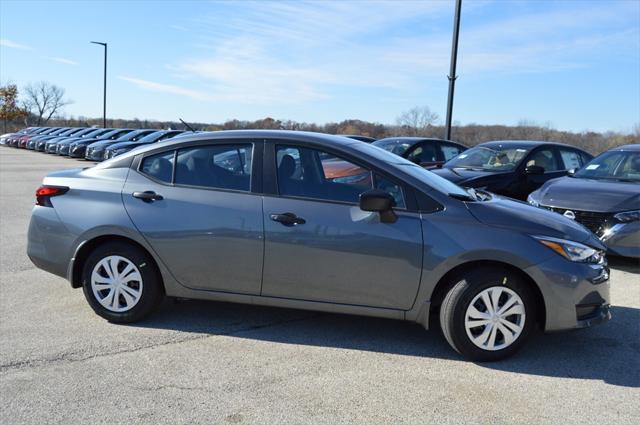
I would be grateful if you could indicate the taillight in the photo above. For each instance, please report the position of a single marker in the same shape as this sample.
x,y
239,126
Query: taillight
x,y
45,193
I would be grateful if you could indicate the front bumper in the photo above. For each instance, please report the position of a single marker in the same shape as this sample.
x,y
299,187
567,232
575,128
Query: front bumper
x,y
94,154
623,239
77,151
572,292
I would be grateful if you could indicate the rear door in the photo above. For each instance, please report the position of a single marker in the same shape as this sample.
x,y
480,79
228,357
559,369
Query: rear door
x,y
206,221
320,246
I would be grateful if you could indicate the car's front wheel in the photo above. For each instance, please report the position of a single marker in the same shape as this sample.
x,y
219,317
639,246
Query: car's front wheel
x,y
488,314
121,283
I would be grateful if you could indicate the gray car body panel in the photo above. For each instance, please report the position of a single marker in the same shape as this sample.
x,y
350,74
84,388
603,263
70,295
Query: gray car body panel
x,y
459,234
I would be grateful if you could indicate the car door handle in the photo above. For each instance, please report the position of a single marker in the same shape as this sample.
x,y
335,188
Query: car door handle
x,y
288,219
148,196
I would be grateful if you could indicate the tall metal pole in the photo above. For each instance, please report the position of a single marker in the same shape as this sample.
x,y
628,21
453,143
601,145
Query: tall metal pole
x,y
452,70
104,94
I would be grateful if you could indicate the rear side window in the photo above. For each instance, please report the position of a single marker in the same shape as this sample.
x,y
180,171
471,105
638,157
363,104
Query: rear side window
x,y
217,166
159,166
571,159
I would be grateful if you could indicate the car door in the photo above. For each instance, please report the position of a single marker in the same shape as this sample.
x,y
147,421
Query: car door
x,y
320,246
197,209
545,157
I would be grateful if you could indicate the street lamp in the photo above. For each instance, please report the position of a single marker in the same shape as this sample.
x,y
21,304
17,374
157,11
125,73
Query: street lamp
x,y
104,95
452,71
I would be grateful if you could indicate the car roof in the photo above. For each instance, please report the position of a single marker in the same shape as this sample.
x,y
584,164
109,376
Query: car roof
x,y
524,144
630,148
416,139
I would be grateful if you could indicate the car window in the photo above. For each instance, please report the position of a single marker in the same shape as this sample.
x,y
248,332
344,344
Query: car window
x,y
450,151
215,166
425,152
159,166
544,158
571,159
311,173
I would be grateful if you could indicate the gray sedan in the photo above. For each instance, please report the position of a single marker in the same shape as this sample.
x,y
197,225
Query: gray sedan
x,y
258,217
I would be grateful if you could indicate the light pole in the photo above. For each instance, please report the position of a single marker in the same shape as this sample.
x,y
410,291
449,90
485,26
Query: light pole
x,y
452,70
104,94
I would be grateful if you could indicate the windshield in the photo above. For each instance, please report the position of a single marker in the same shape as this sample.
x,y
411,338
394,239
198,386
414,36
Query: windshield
x,y
397,146
484,158
150,138
613,165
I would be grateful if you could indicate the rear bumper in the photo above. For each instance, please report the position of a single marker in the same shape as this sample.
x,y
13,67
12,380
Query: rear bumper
x,y
576,295
48,241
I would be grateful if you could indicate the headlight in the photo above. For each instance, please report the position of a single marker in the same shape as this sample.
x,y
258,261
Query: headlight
x,y
627,216
572,251
532,201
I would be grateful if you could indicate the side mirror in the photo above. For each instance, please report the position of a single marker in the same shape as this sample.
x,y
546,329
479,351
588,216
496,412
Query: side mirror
x,y
379,201
571,172
534,169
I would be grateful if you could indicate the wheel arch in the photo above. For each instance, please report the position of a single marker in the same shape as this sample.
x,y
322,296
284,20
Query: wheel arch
x,y
454,275
86,247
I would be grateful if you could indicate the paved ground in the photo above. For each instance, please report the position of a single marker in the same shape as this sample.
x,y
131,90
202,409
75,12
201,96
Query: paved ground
x,y
224,363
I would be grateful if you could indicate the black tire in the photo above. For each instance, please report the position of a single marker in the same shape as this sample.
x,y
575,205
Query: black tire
x,y
152,288
457,300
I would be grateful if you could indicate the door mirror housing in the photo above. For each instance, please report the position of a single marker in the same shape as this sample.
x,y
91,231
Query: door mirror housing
x,y
572,172
379,201
534,169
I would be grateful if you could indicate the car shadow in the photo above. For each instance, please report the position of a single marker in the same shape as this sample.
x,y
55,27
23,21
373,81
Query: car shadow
x,y
600,353
625,264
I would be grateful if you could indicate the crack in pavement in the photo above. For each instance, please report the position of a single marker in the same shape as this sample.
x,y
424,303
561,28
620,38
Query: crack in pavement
x,y
68,358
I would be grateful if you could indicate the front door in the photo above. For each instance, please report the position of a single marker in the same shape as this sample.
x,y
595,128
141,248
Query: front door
x,y
200,216
320,246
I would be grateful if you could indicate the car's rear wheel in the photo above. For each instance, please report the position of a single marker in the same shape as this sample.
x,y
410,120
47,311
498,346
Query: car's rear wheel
x,y
121,283
488,315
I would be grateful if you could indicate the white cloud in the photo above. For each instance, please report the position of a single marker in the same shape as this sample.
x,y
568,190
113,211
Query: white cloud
x,y
178,27
63,60
12,44
166,88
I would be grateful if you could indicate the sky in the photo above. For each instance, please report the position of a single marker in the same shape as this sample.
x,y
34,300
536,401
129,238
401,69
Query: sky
x,y
570,64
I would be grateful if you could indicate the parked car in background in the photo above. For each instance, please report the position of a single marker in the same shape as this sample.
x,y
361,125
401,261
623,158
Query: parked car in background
x,y
95,151
4,139
244,216
365,139
45,132
78,148
604,196
33,142
513,168
426,152
123,147
62,146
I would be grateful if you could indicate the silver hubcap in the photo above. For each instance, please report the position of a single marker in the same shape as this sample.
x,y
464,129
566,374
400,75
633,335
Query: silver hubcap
x,y
495,318
116,283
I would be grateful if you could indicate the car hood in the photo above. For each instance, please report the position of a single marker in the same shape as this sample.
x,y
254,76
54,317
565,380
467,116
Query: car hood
x,y
471,178
101,144
590,195
524,218
86,141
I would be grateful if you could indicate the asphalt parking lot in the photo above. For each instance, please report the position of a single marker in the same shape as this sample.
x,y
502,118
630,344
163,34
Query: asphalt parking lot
x,y
206,362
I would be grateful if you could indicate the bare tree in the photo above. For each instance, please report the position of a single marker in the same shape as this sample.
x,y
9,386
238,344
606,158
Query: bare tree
x,y
416,120
43,100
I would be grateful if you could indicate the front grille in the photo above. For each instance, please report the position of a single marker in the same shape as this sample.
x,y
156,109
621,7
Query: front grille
x,y
594,221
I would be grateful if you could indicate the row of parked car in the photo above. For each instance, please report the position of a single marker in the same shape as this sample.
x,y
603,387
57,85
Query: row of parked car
x,y
94,144
601,193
